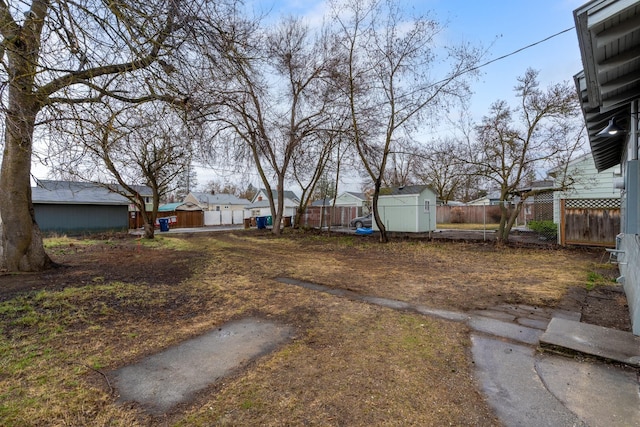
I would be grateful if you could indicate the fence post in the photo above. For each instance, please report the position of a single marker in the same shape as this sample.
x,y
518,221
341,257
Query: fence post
x,y
484,221
562,222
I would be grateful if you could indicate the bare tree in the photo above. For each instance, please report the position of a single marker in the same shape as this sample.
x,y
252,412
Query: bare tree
x,y
514,143
125,146
312,162
71,53
276,100
439,169
388,79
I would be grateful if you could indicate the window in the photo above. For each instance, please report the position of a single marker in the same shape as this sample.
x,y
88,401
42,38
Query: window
x,y
426,206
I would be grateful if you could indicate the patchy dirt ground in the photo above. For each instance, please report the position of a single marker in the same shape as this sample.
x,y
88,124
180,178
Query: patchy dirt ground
x,y
117,300
121,257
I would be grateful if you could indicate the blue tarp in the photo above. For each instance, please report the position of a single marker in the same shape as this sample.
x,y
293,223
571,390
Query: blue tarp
x,y
364,230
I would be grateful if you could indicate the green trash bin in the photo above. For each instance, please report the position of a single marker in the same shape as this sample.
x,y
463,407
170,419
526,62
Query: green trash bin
x,y
269,220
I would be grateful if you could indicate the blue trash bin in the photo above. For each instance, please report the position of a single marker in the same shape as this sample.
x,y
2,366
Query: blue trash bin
x,y
164,224
261,222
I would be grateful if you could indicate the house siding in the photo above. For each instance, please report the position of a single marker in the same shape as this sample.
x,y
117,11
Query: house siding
x,y
588,183
78,219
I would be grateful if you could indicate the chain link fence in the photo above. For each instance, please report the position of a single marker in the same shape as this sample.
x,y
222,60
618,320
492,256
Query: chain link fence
x,y
534,223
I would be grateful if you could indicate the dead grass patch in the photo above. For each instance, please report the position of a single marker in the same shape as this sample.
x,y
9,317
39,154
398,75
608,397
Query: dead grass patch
x,y
351,363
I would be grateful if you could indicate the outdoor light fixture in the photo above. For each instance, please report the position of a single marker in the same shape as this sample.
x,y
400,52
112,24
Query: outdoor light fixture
x,y
611,129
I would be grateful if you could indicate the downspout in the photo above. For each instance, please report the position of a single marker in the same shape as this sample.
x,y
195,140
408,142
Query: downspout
x,y
634,130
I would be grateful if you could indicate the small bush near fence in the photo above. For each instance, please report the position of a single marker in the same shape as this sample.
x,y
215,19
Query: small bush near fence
x,y
546,229
457,216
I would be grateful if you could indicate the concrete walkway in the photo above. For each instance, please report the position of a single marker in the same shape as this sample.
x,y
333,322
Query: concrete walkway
x,y
527,387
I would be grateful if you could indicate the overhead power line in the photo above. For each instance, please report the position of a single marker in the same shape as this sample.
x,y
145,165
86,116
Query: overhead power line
x,y
521,49
477,67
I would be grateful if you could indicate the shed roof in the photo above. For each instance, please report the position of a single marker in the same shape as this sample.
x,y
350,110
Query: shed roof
x,y
609,39
143,190
65,192
403,191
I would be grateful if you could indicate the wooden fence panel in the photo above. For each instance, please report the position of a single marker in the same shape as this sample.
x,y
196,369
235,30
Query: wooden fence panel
x,y
189,219
472,214
591,222
321,216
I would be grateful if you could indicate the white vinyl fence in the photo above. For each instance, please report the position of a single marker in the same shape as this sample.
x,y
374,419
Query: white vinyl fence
x,y
223,217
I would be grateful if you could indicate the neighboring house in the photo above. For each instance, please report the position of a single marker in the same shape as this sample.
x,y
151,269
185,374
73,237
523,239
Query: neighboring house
x,y
538,207
78,207
411,208
609,94
585,182
217,202
351,198
326,202
146,194
348,205
221,208
262,195
259,205
491,199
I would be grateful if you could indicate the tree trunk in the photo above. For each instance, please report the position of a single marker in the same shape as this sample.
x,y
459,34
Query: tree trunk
x,y
149,230
277,215
376,216
22,248
503,233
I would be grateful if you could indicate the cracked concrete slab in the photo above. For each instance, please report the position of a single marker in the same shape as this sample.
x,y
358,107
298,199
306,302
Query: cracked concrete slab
x,y
175,375
513,388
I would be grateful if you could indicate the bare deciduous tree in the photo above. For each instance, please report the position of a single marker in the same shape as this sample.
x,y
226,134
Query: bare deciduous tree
x,y
388,79
72,53
276,100
125,146
544,130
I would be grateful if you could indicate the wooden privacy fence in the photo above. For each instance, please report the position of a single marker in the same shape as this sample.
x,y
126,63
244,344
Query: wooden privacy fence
x,y
591,222
185,219
472,214
321,216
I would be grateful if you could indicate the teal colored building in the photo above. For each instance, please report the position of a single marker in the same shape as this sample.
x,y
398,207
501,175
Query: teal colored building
x,y
78,207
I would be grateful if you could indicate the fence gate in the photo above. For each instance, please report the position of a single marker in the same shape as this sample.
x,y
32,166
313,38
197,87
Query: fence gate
x,y
591,222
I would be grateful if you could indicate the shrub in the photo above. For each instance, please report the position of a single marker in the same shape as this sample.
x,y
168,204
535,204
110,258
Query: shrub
x,y
494,214
547,227
457,216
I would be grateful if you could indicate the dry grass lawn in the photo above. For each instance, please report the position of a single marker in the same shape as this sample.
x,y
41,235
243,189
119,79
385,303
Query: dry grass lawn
x,y
120,299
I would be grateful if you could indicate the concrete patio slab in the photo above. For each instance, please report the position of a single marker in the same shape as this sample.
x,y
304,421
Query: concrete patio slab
x,y
604,343
513,388
175,375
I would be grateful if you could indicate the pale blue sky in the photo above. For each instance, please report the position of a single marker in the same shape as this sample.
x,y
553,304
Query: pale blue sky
x,y
502,26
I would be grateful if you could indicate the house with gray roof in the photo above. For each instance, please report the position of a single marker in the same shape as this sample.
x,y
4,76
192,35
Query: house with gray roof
x,y
220,208
260,204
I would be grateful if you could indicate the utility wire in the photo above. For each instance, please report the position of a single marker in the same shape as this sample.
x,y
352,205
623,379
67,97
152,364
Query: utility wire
x,y
477,67
521,49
